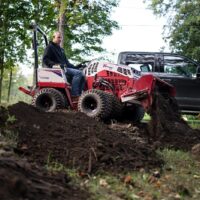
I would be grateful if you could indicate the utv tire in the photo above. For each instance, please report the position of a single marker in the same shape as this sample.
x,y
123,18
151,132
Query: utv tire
x,y
139,113
134,114
49,99
96,104
117,106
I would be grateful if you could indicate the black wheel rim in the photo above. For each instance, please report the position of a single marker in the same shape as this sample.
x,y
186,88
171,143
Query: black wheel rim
x,y
90,105
45,102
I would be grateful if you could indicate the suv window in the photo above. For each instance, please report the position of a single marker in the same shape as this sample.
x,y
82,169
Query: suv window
x,y
146,67
179,66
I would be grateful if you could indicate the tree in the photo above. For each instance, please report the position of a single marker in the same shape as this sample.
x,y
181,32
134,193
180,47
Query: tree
x,y
183,24
15,20
83,24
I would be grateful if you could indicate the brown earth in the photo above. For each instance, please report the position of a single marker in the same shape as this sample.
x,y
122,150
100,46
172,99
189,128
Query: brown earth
x,y
77,141
168,129
20,180
82,143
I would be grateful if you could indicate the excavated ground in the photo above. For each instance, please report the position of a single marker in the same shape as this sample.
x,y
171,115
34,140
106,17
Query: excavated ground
x,y
82,143
20,180
168,129
77,141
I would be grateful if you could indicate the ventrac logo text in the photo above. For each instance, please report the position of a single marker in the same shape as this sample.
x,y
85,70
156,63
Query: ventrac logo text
x,y
107,66
44,77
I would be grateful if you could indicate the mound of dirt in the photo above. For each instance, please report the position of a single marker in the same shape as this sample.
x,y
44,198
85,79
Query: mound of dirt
x,y
3,116
167,126
20,180
77,141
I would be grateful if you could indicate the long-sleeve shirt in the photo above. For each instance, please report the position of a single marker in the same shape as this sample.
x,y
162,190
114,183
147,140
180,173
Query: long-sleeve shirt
x,y
55,55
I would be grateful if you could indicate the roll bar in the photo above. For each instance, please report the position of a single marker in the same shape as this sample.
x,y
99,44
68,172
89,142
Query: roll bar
x,y
37,29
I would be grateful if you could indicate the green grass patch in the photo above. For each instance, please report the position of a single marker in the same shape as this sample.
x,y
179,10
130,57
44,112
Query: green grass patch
x,y
179,178
194,123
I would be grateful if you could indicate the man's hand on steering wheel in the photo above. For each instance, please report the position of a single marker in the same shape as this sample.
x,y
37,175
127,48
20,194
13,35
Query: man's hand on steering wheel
x,y
82,65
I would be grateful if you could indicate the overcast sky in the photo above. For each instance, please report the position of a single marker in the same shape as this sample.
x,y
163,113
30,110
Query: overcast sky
x,y
140,29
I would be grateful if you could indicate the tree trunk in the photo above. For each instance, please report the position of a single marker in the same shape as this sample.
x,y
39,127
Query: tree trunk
x,y
1,71
10,84
1,76
61,25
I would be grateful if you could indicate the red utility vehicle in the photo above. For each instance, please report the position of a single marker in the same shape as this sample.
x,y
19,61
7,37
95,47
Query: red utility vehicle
x,y
111,91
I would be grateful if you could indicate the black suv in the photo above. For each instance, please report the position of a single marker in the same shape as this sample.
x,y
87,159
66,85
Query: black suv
x,y
175,69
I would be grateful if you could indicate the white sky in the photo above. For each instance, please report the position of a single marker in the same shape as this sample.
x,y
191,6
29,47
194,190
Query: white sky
x,y
140,31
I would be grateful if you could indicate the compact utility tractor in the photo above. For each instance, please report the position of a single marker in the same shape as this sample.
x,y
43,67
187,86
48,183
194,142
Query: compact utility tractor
x,y
111,91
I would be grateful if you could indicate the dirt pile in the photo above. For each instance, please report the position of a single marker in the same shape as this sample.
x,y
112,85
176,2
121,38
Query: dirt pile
x,y
3,116
167,126
77,141
20,180
80,142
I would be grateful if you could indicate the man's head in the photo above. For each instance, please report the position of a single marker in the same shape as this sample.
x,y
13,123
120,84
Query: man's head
x,y
57,38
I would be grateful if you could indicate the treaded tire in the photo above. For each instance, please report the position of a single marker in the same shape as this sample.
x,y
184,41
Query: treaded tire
x,y
134,113
49,99
96,104
117,106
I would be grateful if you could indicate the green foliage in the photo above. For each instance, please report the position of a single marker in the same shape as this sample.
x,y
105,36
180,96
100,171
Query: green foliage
x,y
16,17
18,80
86,23
10,136
15,38
11,119
183,24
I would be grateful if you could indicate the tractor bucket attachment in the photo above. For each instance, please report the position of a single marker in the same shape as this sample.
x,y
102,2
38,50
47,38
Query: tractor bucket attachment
x,y
144,89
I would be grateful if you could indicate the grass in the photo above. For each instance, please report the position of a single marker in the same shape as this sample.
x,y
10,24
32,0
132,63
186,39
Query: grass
x,y
193,121
194,124
181,175
178,179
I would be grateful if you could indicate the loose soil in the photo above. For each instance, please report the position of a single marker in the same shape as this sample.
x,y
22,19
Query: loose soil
x,y
20,180
168,129
79,142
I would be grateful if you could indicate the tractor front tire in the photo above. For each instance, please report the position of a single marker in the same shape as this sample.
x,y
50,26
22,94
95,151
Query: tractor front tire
x,y
117,106
134,113
96,104
48,100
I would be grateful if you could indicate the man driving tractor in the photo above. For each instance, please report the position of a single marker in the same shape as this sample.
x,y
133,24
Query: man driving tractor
x,y
55,55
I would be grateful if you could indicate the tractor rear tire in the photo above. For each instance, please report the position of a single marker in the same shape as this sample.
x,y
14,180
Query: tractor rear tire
x,y
96,104
49,99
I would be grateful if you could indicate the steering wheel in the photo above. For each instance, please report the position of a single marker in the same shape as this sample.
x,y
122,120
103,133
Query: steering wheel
x,y
82,65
